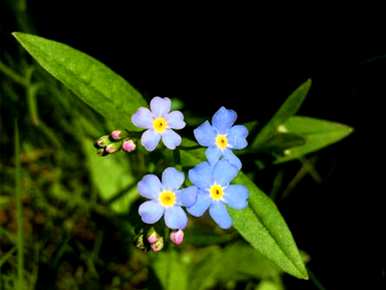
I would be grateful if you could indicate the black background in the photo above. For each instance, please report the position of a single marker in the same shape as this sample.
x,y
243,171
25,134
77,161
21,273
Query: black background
x,y
251,59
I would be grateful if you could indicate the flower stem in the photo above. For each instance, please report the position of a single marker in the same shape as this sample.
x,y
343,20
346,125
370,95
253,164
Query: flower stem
x,y
13,75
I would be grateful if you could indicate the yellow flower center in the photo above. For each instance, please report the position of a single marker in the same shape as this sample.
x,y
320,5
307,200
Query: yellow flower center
x,y
222,141
160,124
167,198
216,192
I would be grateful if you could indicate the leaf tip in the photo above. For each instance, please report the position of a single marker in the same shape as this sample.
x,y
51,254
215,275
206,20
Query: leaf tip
x,y
18,35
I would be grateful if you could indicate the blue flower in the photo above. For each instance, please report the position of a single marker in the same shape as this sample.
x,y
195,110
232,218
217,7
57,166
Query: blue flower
x,y
159,123
222,137
166,198
215,191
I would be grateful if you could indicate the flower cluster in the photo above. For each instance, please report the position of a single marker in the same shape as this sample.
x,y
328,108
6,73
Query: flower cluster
x,y
211,189
116,141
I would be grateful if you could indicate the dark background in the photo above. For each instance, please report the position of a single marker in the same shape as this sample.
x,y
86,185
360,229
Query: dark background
x,y
246,59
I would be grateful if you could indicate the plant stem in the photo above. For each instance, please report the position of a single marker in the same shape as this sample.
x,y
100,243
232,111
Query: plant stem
x,y
19,213
13,75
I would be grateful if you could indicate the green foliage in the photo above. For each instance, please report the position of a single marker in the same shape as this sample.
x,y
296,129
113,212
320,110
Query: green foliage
x,y
19,211
93,82
271,249
316,133
171,270
111,175
262,225
288,109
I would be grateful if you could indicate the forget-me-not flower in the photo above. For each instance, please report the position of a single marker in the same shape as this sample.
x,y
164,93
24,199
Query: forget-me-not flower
x,y
166,198
159,122
215,191
221,137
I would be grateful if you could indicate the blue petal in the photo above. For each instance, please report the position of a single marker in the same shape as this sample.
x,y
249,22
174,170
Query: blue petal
x,y
187,196
232,158
201,205
175,120
236,196
150,139
175,218
220,215
160,106
171,139
237,137
205,134
150,211
172,179
142,118
224,172
149,186
213,154
201,175
223,119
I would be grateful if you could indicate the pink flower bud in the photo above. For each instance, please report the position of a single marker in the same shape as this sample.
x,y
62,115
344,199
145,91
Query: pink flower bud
x,y
177,237
158,245
128,145
152,238
116,134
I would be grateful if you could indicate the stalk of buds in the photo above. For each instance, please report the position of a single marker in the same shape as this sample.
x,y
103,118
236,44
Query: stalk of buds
x,y
116,141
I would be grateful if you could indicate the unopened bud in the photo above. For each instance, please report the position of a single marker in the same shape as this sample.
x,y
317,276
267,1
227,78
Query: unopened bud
x,y
158,245
139,242
128,145
113,147
177,237
101,152
103,141
152,236
116,134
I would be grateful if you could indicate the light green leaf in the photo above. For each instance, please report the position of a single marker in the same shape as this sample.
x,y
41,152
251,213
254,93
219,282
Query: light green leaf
x,y
170,270
242,263
93,82
288,109
316,133
269,285
111,175
262,225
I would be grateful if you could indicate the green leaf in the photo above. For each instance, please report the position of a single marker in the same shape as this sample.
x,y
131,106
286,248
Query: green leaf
x,y
204,273
269,285
262,225
242,263
170,270
93,82
111,175
288,109
316,133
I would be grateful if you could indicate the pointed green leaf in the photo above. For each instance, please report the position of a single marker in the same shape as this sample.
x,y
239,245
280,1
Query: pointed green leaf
x,y
93,82
170,270
316,133
262,225
288,109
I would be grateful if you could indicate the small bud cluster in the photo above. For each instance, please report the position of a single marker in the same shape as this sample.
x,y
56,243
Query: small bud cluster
x,y
116,141
155,242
